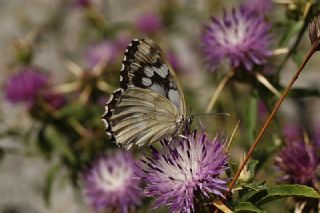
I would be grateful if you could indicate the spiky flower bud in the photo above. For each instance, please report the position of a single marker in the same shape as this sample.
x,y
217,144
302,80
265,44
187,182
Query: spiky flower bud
x,y
314,30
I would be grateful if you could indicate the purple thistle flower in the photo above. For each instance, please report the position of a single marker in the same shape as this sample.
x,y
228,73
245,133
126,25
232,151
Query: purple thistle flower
x,y
149,23
111,183
241,36
25,86
185,166
298,161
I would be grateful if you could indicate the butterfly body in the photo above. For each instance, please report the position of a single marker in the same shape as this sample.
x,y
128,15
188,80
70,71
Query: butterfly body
x,y
149,106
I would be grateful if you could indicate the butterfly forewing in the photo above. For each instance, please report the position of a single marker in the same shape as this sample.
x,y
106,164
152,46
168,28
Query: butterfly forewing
x,y
145,66
149,105
143,116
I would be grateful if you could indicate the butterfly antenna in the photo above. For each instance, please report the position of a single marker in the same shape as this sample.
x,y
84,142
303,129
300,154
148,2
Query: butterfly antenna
x,y
212,113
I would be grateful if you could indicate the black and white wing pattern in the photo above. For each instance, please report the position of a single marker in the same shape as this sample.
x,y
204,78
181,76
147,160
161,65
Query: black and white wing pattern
x,y
149,105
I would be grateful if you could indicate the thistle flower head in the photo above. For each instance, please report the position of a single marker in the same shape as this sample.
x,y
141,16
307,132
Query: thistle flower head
x,y
25,86
111,183
241,36
298,161
185,167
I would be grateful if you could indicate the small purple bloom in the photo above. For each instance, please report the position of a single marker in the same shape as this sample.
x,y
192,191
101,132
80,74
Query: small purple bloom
x,y
298,162
241,36
110,183
149,23
25,86
104,51
185,166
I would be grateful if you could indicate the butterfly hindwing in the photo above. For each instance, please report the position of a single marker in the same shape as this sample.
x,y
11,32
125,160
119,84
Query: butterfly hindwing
x,y
143,116
109,109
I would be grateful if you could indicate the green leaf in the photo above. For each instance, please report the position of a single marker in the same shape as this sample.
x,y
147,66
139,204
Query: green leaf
x,y
246,207
256,186
59,143
43,143
255,191
286,190
49,183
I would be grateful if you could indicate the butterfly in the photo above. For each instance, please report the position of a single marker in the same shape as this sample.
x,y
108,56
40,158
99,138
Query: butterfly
x,y
149,105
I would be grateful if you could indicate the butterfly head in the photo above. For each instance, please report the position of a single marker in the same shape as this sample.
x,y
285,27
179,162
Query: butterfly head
x,y
185,123
188,120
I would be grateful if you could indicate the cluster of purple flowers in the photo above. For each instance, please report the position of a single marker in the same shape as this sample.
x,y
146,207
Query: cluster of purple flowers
x,y
175,175
172,175
193,164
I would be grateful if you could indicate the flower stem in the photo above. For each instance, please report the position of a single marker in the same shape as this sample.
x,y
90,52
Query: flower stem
x,y
272,114
219,89
313,49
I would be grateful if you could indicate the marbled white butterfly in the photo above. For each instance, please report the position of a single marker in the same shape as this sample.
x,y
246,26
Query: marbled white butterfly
x,y
149,105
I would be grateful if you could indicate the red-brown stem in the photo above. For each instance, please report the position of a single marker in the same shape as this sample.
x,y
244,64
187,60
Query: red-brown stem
x,y
313,49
